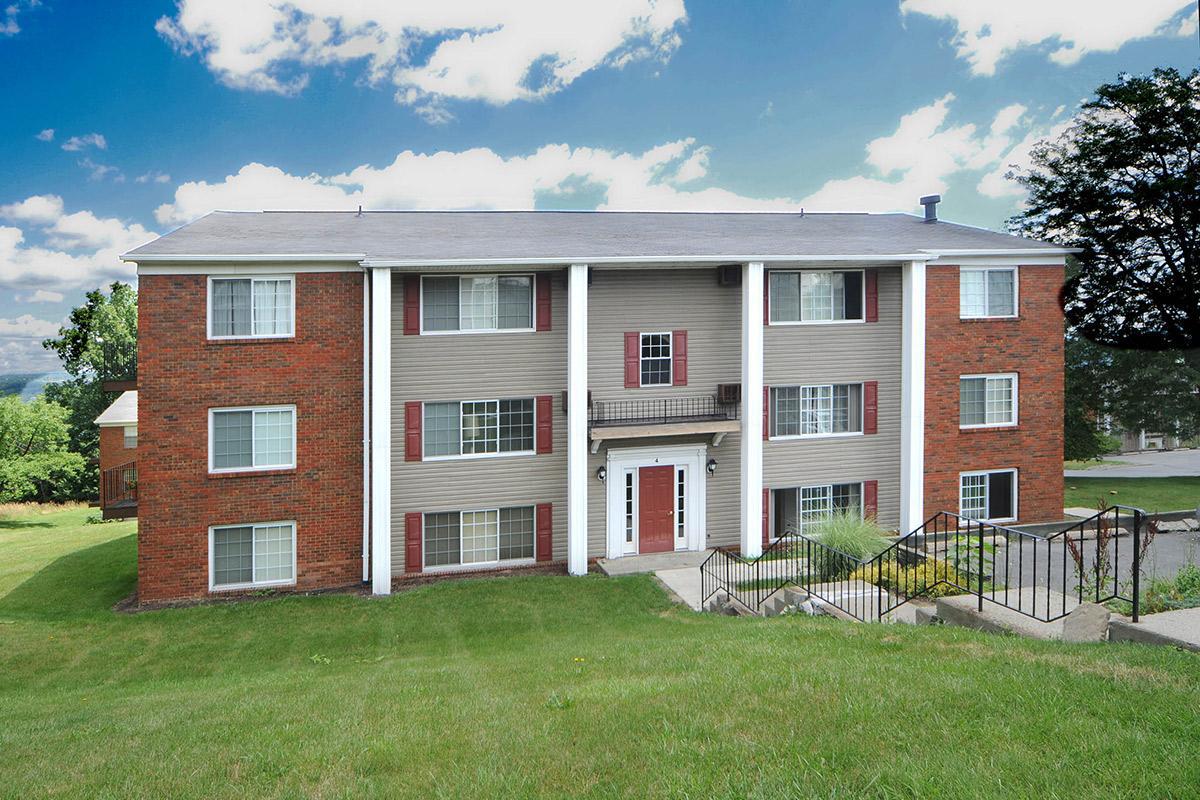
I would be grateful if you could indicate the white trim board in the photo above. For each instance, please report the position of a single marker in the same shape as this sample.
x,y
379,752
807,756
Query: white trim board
x,y
619,459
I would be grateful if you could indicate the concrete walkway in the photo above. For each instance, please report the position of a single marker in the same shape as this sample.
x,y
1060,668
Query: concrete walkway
x,y
1156,464
1173,628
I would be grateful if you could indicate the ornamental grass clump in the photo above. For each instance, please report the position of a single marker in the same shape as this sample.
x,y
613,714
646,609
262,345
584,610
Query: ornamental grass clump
x,y
931,578
849,533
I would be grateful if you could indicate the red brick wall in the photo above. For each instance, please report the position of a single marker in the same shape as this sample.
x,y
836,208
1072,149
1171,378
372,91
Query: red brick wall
x,y
1030,345
112,448
181,375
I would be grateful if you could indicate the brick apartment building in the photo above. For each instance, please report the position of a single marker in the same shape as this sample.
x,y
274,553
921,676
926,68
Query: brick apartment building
x,y
328,399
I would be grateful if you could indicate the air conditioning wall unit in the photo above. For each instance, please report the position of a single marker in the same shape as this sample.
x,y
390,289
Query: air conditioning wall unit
x,y
729,275
729,393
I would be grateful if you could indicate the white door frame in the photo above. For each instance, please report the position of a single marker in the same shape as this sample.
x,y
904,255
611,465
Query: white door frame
x,y
622,459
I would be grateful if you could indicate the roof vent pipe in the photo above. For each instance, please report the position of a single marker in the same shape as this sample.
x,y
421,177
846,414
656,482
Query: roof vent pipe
x,y
930,202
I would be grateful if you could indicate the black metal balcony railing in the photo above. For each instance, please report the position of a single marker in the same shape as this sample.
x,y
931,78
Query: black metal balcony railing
x,y
705,408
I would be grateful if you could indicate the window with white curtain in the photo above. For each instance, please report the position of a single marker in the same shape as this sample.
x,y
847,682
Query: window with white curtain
x,y
250,307
987,401
816,296
818,410
475,303
252,438
261,554
485,536
987,292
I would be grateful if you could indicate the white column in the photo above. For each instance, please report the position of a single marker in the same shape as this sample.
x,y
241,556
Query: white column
x,y
912,401
577,444
381,430
752,409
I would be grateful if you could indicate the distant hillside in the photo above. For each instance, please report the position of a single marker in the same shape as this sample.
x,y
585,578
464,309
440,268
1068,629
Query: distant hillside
x,y
27,384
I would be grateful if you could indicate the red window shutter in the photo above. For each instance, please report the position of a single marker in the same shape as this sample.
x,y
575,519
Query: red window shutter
x,y
542,304
870,499
633,345
766,515
871,407
766,412
871,311
679,358
545,423
412,431
545,531
766,298
412,305
412,542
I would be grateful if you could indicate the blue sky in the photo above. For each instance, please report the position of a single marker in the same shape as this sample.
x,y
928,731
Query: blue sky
x,y
124,120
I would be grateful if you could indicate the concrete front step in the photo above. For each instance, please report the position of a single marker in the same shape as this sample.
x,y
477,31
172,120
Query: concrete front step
x,y
963,610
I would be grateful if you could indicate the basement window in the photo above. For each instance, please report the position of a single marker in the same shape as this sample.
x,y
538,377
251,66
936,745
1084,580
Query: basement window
x,y
988,496
246,556
473,538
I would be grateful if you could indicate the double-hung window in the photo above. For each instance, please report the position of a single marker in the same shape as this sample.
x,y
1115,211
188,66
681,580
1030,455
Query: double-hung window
x,y
486,536
987,292
816,296
244,556
655,359
241,308
479,427
476,303
129,435
987,401
795,509
251,438
819,410
988,496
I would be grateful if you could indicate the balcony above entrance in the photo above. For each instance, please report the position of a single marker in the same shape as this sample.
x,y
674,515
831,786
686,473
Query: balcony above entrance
x,y
669,416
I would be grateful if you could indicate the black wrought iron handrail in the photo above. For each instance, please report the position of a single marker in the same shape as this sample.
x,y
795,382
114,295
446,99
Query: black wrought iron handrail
x,y
660,410
1042,577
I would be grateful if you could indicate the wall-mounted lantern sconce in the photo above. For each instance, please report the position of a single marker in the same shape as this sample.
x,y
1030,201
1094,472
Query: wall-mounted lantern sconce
x,y
602,474
711,466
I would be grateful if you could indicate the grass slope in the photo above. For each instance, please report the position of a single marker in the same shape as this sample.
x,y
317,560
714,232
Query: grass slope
x,y
1152,494
553,687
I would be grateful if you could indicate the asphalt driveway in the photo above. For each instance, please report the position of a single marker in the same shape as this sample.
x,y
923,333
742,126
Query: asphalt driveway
x,y
1159,464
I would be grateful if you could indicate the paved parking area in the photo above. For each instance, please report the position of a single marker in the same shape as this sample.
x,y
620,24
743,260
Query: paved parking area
x,y
1159,464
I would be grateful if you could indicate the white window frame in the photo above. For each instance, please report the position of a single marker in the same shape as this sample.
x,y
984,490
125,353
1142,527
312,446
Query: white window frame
x,y
771,321
291,280
1016,292
125,436
1015,400
461,567
862,402
496,310
670,359
233,587
224,470
464,456
987,490
799,490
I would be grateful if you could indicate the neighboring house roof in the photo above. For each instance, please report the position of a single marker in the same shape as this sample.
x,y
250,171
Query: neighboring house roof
x,y
123,411
394,238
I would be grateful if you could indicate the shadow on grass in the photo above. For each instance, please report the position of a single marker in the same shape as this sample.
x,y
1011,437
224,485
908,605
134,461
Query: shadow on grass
x,y
84,582
15,524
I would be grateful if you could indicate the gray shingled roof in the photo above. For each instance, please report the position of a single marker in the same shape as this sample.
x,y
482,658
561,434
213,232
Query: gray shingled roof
x,y
566,235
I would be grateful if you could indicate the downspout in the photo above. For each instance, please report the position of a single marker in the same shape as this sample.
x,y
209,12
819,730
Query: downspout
x,y
366,436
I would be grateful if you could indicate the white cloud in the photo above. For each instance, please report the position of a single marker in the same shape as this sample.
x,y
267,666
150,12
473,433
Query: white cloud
x,y
153,176
46,135
76,143
477,178
990,30
1017,159
8,17
98,171
496,52
27,326
77,250
40,296
40,209
1189,25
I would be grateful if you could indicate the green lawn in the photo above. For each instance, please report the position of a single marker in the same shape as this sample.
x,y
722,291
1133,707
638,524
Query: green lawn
x,y
1152,494
1093,463
549,687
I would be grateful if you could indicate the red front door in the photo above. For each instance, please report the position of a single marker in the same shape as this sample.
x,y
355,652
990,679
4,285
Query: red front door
x,y
656,509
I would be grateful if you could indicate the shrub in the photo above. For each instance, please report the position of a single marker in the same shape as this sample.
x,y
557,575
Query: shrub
x,y
925,578
851,534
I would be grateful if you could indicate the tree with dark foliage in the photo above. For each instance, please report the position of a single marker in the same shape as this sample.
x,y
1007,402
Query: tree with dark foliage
x,y
1123,186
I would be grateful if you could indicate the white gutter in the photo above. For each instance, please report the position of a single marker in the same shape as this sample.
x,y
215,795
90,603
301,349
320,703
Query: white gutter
x,y
156,258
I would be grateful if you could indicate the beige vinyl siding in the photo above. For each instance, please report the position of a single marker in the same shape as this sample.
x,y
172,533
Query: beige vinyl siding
x,y
666,300
479,366
842,353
